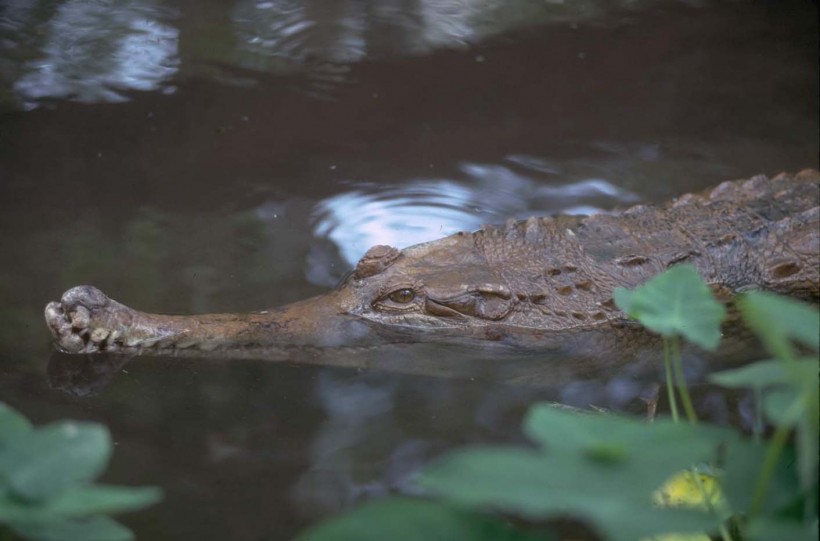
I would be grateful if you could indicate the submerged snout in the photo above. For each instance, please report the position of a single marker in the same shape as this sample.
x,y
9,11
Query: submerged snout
x,y
320,321
85,320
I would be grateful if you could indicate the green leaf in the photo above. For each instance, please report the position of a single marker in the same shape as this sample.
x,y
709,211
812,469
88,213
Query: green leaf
x,y
777,320
767,373
80,502
792,408
599,468
12,424
92,529
606,454
104,499
780,407
767,529
611,435
794,403
676,302
406,519
742,464
807,446
614,498
45,461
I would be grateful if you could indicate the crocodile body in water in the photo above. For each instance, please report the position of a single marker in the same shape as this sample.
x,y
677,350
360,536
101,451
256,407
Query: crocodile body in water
x,y
544,283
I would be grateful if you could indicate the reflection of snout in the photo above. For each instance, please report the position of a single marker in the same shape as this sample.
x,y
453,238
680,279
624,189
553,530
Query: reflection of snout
x,y
83,375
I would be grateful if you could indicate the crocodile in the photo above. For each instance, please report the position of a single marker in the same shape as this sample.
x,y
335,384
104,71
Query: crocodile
x,y
542,283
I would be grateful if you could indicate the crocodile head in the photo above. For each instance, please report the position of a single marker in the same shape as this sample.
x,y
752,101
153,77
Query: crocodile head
x,y
430,287
433,285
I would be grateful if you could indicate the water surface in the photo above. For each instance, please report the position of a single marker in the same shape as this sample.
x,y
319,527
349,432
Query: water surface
x,y
210,156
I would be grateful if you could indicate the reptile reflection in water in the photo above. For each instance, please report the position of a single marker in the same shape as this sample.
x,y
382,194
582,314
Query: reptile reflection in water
x,y
83,375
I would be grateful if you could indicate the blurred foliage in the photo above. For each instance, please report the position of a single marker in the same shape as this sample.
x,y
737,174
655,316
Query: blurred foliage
x,y
46,482
631,480
410,519
792,402
674,304
780,321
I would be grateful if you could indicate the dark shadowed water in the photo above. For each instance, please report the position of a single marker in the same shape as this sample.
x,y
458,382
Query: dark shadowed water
x,y
229,156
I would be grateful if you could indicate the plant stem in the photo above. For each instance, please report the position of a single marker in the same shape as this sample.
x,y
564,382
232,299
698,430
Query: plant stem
x,y
724,533
775,447
683,389
670,387
707,499
757,433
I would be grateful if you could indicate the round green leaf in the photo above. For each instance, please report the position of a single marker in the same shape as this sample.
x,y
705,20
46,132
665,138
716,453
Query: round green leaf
x,y
615,498
43,462
777,320
676,302
104,499
77,503
779,406
557,429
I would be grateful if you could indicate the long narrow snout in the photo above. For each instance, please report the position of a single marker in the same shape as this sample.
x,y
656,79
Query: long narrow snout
x,y
87,321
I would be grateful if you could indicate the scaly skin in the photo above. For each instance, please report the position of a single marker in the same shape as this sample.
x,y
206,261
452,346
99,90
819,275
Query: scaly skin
x,y
544,282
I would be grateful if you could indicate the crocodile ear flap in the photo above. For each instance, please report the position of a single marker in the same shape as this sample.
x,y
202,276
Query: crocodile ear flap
x,y
375,260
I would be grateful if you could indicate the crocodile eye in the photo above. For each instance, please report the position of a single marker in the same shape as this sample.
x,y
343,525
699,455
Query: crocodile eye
x,y
402,296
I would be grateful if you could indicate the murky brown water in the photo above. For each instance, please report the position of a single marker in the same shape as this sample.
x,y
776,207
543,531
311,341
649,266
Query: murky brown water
x,y
209,156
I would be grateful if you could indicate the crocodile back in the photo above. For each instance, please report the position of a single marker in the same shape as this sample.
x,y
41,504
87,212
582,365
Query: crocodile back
x,y
756,233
